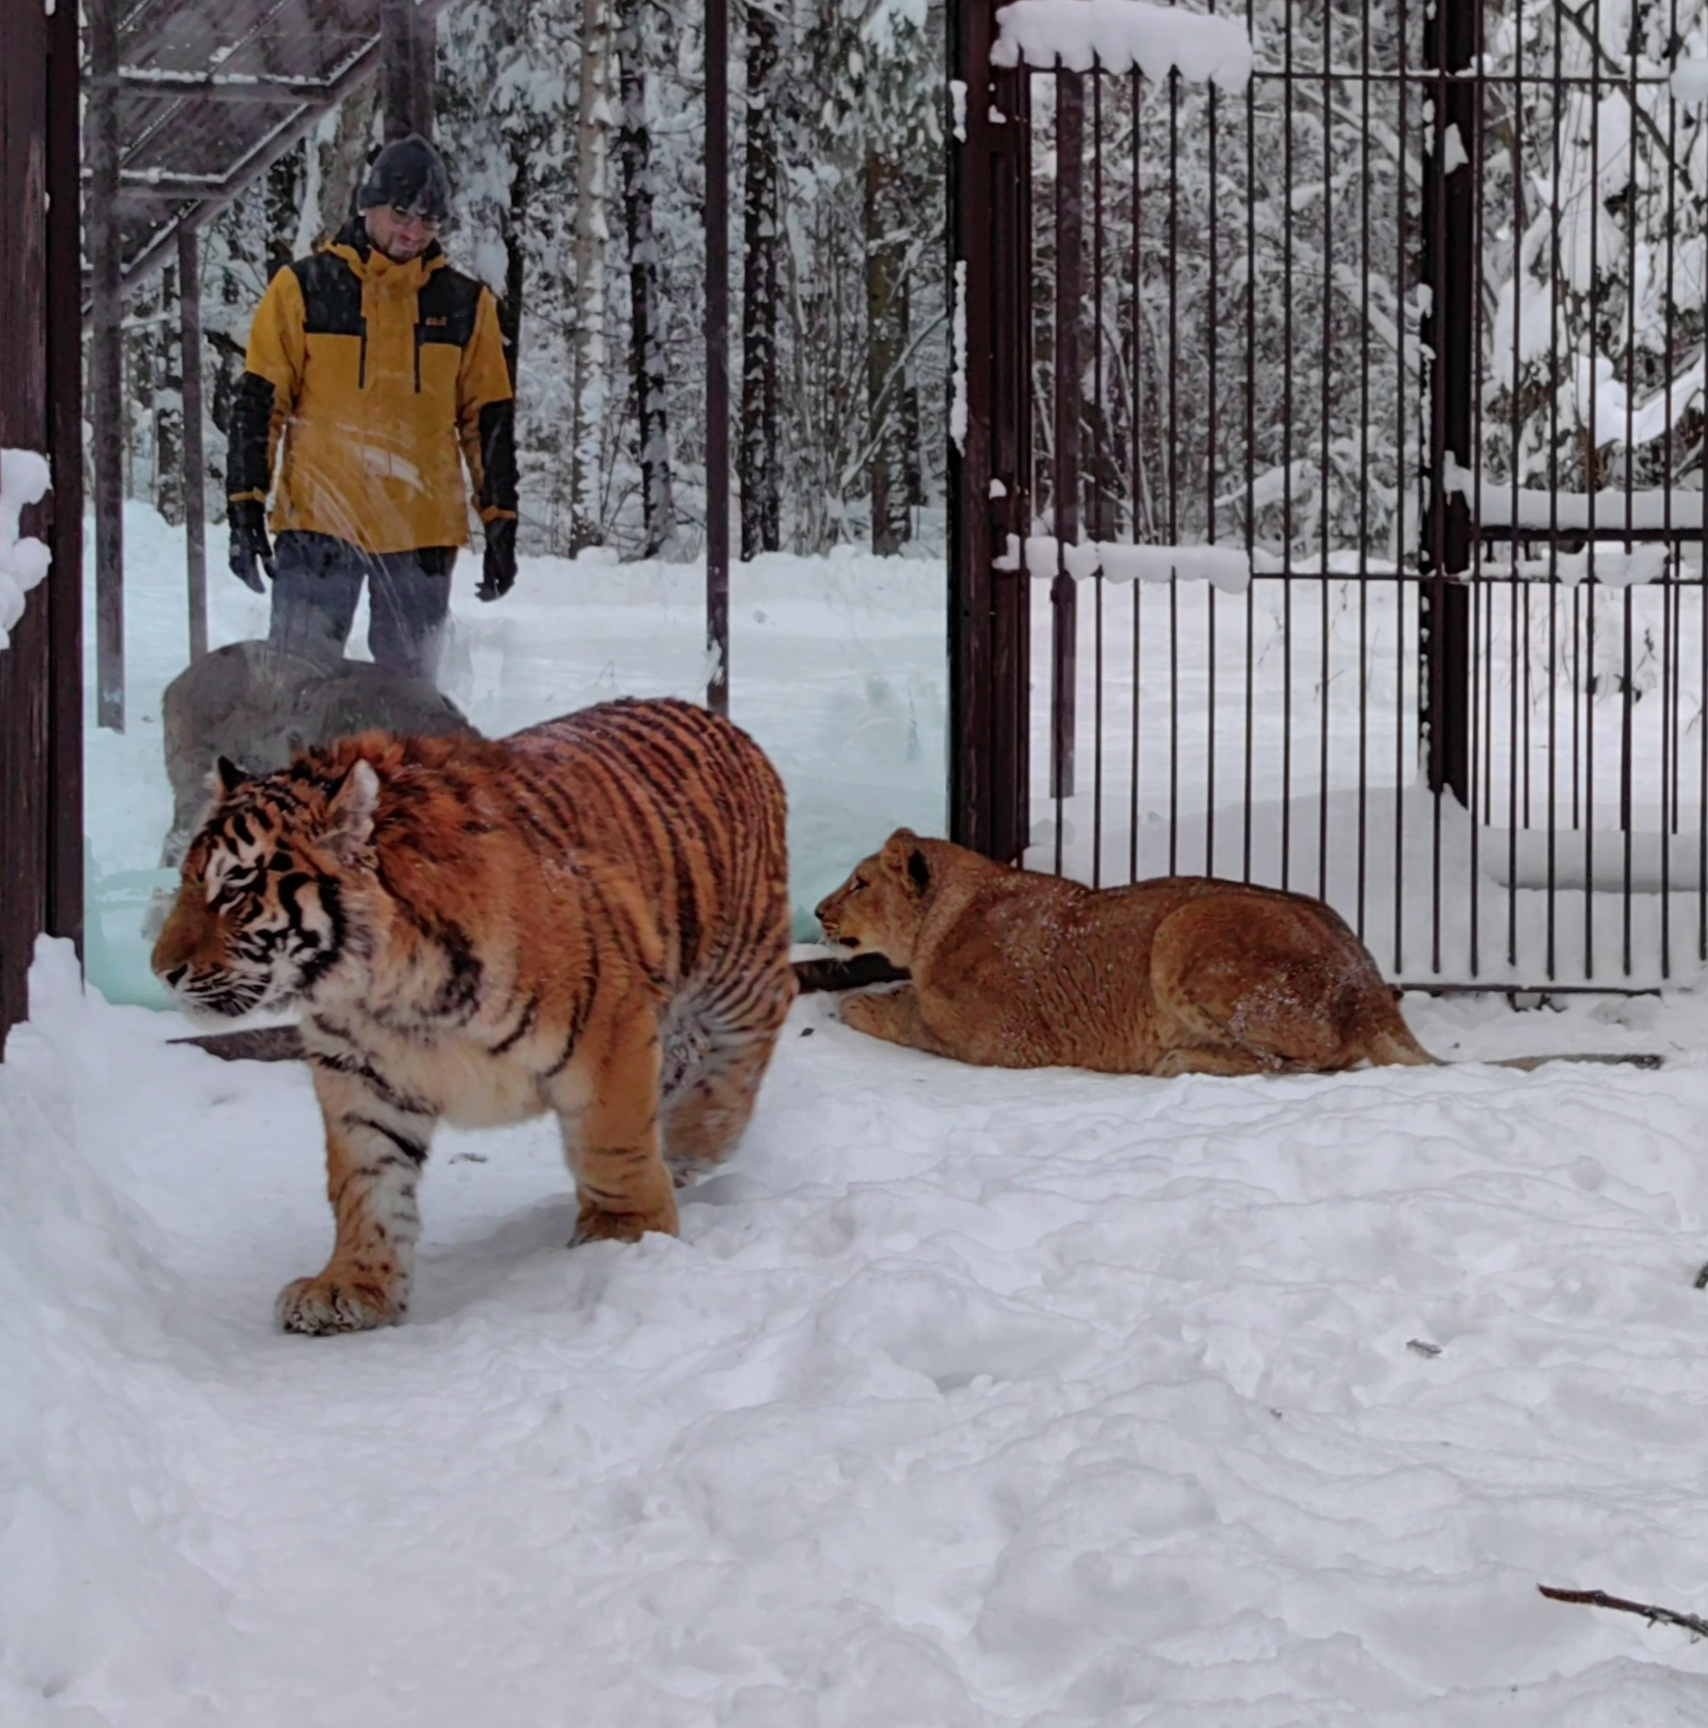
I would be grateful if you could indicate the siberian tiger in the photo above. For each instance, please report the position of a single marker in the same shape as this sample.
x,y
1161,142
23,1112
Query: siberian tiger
x,y
589,917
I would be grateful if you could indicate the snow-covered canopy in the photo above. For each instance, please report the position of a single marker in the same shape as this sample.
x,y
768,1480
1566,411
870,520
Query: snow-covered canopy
x,y
1119,35
24,480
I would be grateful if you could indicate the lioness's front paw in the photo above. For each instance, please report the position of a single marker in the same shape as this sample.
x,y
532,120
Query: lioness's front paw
x,y
328,1304
863,1013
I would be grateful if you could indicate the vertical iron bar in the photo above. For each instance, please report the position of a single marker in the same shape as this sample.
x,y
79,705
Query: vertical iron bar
x,y
1250,458
1065,475
195,475
64,597
1102,529
1140,523
988,144
1212,320
1452,32
717,355
1364,262
25,792
106,354
1326,410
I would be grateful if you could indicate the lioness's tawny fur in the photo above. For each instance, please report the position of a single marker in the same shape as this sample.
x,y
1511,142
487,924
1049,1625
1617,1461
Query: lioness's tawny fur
x,y
1181,975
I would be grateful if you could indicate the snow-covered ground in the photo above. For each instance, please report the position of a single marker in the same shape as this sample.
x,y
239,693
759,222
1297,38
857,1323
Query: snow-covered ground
x,y
839,666
966,1398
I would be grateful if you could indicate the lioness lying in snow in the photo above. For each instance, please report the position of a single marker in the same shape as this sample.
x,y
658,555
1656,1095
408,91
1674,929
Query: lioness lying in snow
x,y
1179,975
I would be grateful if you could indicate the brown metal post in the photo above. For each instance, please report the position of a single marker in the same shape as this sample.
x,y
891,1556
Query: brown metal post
x,y
195,471
1453,40
64,596
717,354
106,357
23,426
990,448
1065,476
406,69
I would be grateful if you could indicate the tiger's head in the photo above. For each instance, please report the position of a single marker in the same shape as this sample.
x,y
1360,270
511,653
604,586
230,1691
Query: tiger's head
x,y
879,909
270,887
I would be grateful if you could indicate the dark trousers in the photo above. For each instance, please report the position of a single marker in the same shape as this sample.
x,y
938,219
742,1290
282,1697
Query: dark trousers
x,y
317,581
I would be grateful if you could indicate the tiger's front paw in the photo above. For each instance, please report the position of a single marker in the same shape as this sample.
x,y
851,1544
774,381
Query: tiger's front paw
x,y
336,1302
595,1225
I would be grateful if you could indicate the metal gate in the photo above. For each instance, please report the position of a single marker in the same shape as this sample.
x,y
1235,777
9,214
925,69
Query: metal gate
x,y
1327,504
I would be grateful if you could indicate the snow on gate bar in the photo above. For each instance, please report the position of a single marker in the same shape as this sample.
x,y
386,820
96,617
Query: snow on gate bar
x,y
1338,523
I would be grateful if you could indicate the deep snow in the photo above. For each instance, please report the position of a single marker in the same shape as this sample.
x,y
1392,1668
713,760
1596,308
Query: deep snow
x,y
965,1398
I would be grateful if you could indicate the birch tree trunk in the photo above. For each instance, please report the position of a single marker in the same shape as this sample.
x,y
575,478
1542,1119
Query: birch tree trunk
x,y
761,509
886,348
343,162
646,336
593,124
168,402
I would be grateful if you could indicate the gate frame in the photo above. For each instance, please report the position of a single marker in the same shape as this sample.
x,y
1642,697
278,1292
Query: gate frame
x,y
990,212
989,139
41,684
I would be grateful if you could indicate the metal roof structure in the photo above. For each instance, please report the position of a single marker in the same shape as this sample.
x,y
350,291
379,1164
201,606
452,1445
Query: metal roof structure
x,y
208,94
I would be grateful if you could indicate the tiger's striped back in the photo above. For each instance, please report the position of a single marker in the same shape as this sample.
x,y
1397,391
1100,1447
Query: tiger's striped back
x,y
689,803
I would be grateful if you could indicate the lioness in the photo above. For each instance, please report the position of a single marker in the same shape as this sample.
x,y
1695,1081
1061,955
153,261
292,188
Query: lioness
x,y
1181,975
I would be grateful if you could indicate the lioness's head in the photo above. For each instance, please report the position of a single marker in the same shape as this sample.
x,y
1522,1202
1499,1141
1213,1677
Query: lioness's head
x,y
263,906
879,908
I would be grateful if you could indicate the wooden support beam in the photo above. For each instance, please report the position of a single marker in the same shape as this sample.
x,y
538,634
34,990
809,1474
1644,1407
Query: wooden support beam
x,y
212,87
406,46
106,350
64,596
23,426
195,466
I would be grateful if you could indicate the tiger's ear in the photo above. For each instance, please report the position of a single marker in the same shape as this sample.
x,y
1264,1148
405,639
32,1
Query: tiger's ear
x,y
350,813
226,778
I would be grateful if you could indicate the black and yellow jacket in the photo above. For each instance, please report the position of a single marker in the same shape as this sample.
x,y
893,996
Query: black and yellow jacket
x,y
381,380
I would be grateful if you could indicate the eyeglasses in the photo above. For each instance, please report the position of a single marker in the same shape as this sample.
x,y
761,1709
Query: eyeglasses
x,y
430,223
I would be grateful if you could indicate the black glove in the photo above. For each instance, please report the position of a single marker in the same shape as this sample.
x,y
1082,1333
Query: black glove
x,y
249,543
498,571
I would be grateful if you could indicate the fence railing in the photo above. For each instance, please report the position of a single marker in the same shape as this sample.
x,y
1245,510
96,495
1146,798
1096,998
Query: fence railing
x,y
1329,482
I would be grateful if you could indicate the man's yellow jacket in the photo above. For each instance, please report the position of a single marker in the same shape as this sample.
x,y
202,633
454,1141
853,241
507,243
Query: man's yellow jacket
x,y
369,385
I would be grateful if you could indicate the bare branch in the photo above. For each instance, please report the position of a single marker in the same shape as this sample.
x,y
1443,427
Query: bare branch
x,y
1696,1627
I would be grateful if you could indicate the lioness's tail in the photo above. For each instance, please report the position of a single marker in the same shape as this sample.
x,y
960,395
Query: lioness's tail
x,y
1625,1059
1392,1045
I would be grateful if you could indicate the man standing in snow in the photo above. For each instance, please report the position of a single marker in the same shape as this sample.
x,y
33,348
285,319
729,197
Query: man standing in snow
x,y
380,372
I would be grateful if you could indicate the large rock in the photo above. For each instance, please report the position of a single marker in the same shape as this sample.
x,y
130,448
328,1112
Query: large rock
x,y
258,707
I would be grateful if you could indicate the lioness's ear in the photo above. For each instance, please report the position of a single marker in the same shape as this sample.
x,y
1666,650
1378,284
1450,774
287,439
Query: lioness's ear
x,y
919,871
896,848
350,815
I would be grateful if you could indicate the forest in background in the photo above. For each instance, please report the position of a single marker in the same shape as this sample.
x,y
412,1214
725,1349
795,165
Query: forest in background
x,y
578,196
1250,338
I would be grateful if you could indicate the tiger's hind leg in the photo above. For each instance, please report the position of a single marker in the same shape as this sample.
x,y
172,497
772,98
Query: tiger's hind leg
x,y
607,1104
708,1108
